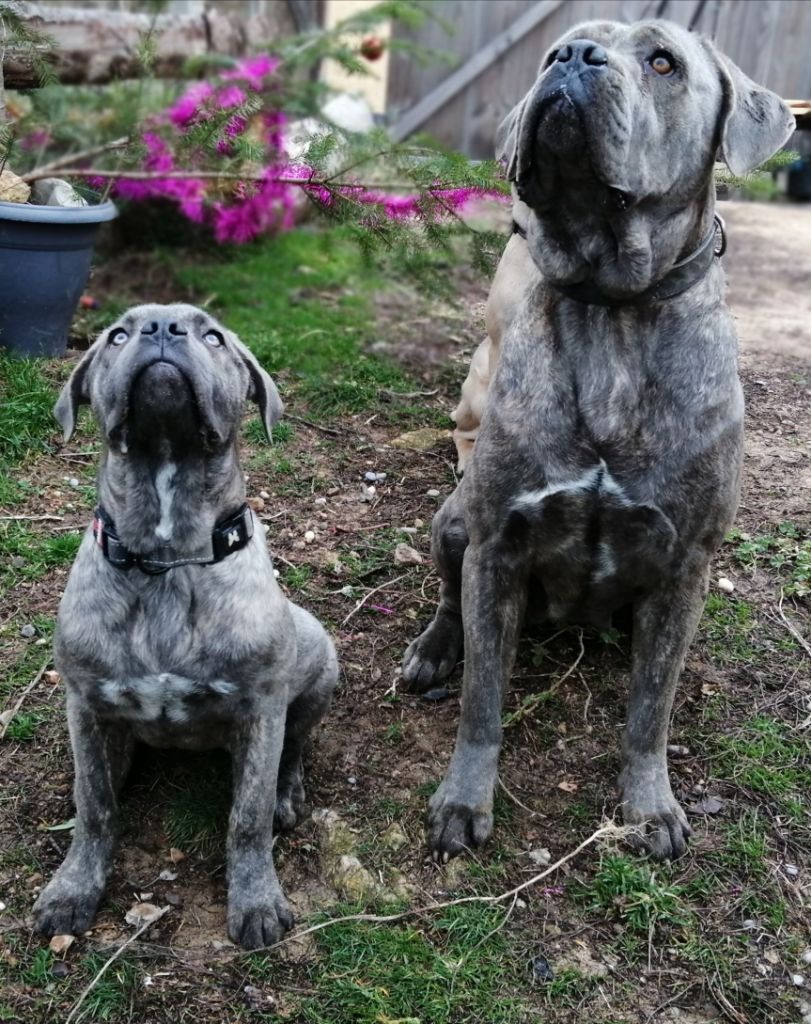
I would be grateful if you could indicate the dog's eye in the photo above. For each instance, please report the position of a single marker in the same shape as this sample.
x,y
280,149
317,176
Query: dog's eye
x,y
117,336
213,338
663,63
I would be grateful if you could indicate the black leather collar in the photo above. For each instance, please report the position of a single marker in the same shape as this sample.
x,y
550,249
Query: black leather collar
x,y
228,536
680,277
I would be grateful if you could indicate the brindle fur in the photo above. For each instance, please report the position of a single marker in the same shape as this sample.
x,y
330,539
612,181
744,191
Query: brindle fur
x,y
202,656
607,466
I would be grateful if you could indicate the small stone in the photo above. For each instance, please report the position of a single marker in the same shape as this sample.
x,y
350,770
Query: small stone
x,y
173,899
12,188
167,876
418,524
74,481
367,493
352,780
370,477
405,555
56,192
52,677
60,969
432,493
61,943
675,750
141,914
791,870
541,856
175,855
725,584
264,495
276,573
798,980
266,528
750,925
18,562
541,969
257,504
28,631
410,530
437,693
807,957
319,501
332,492
309,537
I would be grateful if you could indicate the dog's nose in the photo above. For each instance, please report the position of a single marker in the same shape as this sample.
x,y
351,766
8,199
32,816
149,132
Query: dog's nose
x,y
582,51
163,331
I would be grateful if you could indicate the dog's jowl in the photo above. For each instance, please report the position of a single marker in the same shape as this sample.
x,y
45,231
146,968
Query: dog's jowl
x,y
606,467
172,629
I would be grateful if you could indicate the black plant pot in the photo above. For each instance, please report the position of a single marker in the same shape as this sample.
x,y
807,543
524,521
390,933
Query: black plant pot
x,y
45,254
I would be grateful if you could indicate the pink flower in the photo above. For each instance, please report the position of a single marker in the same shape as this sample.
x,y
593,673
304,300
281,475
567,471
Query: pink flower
x,y
230,96
252,70
189,107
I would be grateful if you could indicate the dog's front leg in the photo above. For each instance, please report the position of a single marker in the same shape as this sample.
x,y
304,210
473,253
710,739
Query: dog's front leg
x,y
101,754
460,813
664,624
258,914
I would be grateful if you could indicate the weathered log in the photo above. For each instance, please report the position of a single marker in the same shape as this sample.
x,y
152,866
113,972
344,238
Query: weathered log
x,y
98,45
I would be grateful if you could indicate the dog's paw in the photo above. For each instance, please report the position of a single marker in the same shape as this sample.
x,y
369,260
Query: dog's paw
x,y
456,825
648,805
62,910
434,654
253,926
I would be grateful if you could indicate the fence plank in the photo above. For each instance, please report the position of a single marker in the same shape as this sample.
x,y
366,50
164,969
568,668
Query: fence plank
x,y
454,83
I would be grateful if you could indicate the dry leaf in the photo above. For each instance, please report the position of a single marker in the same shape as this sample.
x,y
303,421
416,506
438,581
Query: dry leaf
x,y
140,914
61,943
176,856
568,786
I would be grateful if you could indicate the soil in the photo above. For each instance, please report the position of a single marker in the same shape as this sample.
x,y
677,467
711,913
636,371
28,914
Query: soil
x,y
381,747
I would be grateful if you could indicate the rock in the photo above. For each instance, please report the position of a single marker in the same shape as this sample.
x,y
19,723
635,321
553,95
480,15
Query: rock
x,y
404,554
352,780
55,192
141,914
791,870
319,501
422,440
541,856
806,958
709,805
309,537
726,585
52,677
352,113
264,495
257,504
60,969
28,630
12,188
437,693
676,750
393,838
167,876
418,524
541,969
74,482
410,530
367,493
798,980
336,837
374,478
433,493
352,880
61,943
175,855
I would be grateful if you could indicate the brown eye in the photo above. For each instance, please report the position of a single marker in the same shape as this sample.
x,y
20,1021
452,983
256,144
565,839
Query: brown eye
x,y
117,336
213,338
662,63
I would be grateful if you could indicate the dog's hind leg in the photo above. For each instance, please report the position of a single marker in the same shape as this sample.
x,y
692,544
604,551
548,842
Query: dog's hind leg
x,y
433,655
102,752
494,594
303,714
664,624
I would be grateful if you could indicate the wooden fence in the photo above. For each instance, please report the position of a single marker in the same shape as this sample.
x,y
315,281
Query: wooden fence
x,y
498,44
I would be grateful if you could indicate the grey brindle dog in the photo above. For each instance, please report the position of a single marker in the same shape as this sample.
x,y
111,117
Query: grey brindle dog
x,y
607,466
172,629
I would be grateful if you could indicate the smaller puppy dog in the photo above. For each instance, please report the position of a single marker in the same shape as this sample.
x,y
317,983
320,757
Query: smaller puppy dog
x,y
172,629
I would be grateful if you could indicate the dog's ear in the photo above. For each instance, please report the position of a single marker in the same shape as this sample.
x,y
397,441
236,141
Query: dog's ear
x,y
755,122
76,392
262,390
507,135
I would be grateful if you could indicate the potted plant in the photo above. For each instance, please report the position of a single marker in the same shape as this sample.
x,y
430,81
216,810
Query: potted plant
x,y
46,234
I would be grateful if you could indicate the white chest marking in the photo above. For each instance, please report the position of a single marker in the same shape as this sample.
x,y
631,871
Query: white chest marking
x,y
597,477
164,479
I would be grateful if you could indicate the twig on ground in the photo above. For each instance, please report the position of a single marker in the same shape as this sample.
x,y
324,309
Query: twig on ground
x,y
107,964
31,519
791,627
313,426
529,706
363,600
7,716
609,830
407,394
517,802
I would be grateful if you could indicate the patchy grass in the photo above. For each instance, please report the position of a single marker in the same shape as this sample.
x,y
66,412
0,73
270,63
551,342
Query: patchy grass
x,y
767,757
787,551
727,626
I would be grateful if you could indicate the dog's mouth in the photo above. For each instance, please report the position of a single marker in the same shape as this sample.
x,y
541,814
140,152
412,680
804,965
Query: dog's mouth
x,y
163,403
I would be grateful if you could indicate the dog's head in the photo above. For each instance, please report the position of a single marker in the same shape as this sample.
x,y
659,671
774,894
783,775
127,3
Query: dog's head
x,y
168,372
620,132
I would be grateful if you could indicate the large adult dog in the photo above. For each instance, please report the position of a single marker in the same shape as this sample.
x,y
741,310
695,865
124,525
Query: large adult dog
x,y
172,629
606,469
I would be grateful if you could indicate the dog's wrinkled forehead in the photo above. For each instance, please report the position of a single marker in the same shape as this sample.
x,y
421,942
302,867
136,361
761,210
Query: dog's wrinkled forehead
x,y
187,317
